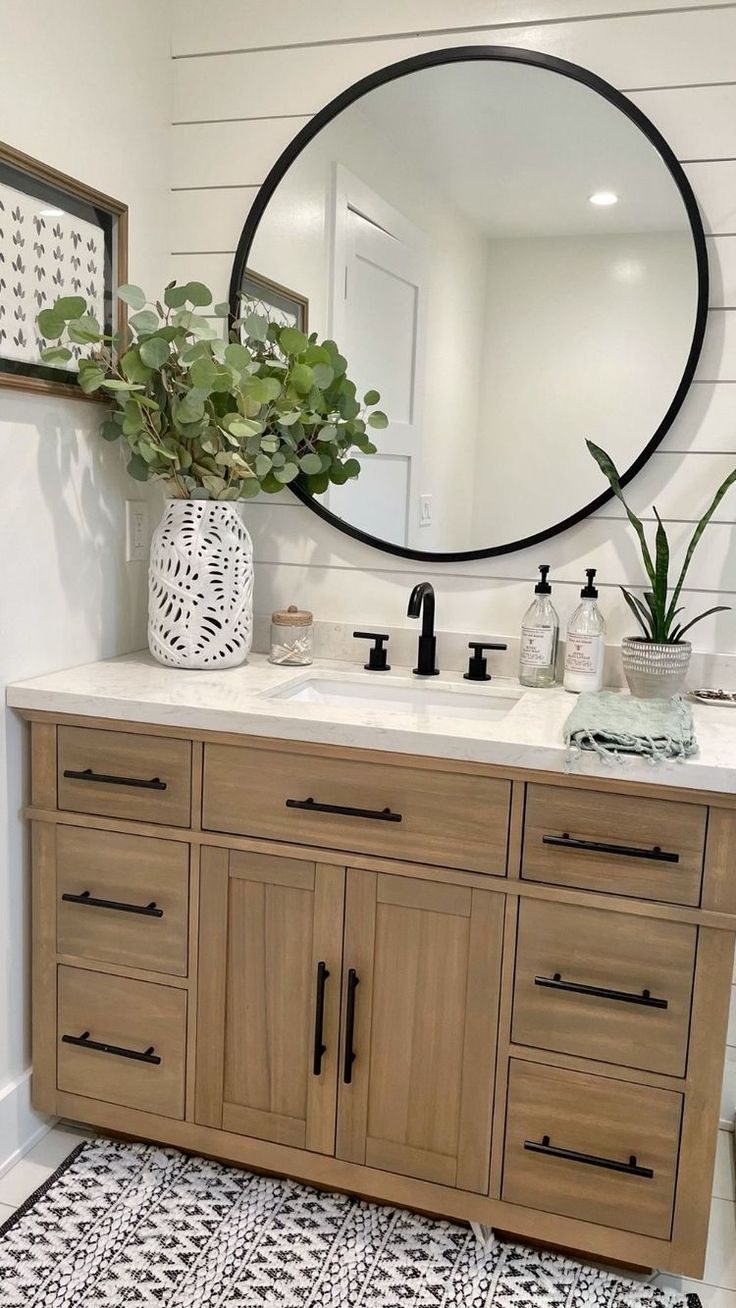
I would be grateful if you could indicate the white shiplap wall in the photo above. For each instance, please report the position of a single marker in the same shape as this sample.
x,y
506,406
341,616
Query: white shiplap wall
x,y
246,78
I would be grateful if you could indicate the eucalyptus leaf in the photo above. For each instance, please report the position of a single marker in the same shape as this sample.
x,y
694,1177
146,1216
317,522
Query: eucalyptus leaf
x,y
145,322
133,366
175,297
198,294
154,352
292,341
132,296
310,463
51,324
70,306
287,473
138,468
255,326
91,380
113,384
371,397
56,354
377,419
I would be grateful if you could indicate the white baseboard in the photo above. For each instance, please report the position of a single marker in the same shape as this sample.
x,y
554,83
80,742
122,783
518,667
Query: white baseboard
x,y
20,1126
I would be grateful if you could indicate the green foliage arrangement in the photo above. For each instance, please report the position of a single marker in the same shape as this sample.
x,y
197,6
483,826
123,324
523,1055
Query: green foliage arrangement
x,y
216,419
657,613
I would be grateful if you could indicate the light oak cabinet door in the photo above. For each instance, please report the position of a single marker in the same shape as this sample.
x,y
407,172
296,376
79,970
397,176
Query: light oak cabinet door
x,y
420,1002
269,991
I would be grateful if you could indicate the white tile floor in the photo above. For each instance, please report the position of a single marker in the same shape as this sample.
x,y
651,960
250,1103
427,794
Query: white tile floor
x,y
716,1290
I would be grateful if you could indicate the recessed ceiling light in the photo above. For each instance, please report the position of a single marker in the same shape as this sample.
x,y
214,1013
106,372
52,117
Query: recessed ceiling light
x,y
51,213
603,198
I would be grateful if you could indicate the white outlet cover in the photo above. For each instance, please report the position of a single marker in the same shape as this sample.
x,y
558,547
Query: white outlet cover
x,y
136,531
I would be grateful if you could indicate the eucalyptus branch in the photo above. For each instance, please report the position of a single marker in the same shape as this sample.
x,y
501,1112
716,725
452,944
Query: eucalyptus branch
x,y
201,414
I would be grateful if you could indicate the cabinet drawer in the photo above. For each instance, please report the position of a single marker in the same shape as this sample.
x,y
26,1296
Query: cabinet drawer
x,y
619,844
143,1029
592,1148
601,985
122,899
125,775
446,818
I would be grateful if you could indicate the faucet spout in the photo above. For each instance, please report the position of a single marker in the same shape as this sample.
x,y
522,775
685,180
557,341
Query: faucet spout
x,y
421,601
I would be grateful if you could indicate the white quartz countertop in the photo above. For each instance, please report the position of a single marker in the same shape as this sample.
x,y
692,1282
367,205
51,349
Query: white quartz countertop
x,y
250,700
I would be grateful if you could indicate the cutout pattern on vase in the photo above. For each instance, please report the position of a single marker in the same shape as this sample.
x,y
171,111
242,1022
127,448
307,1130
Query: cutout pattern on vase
x,y
200,586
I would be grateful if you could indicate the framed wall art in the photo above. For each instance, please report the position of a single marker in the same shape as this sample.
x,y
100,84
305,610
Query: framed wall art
x,y
275,302
57,237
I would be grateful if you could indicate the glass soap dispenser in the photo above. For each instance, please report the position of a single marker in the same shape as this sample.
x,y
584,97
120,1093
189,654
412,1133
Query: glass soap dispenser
x,y
540,631
586,642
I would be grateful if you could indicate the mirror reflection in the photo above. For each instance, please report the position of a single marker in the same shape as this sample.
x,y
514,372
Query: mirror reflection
x,y
506,257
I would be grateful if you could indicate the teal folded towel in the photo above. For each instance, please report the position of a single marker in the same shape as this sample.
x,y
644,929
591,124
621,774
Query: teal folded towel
x,y
614,724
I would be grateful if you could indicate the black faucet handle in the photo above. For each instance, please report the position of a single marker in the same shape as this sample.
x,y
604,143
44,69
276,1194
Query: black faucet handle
x,y
477,665
377,657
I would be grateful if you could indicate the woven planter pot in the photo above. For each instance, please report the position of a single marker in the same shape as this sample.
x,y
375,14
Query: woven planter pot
x,y
200,586
655,671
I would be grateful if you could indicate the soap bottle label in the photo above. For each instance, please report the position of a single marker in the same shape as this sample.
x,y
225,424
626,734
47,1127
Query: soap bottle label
x,y
584,653
536,647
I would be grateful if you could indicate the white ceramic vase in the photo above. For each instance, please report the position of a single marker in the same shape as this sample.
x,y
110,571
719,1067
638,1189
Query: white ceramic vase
x,y
200,585
654,670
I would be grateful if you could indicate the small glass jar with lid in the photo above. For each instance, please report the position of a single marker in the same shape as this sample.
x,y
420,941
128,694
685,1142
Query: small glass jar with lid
x,y
292,632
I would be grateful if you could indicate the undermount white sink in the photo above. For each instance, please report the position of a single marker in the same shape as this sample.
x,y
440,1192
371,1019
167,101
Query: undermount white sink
x,y
376,691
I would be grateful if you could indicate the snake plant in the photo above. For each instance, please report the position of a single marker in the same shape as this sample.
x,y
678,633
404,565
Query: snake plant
x,y
656,614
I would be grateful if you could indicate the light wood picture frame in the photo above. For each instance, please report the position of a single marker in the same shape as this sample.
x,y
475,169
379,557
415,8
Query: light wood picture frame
x,y
58,236
278,303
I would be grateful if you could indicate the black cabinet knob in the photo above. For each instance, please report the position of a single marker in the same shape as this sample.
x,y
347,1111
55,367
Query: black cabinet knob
x,y
377,657
477,665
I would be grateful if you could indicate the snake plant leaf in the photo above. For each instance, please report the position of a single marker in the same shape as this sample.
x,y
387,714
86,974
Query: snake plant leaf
x,y
725,485
639,612
661,570
609,470
679,632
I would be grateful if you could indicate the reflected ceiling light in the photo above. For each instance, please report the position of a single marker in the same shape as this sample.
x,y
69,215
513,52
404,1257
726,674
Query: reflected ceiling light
x,y
51,213
603,198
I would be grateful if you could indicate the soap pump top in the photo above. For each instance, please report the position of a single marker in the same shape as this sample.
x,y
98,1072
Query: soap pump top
x,y
543,587
590,591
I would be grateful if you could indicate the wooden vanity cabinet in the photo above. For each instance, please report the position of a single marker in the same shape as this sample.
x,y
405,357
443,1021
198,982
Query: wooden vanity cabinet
x,y
493,996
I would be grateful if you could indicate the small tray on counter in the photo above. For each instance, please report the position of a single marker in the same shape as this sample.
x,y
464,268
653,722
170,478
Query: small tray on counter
x,y
727,698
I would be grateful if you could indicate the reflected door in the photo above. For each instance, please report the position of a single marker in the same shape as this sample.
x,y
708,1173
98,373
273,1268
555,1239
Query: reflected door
x,y
379,306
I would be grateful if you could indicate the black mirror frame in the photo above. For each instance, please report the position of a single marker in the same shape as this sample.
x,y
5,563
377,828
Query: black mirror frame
x,y
510,54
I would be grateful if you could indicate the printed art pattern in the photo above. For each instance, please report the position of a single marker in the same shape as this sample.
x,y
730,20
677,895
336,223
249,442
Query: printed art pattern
x,y
42,257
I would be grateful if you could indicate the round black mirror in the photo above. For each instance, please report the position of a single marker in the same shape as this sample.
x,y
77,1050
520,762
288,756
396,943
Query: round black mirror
x,y
506,248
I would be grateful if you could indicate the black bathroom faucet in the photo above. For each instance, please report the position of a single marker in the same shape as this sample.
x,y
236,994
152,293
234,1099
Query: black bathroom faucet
x,y
421,601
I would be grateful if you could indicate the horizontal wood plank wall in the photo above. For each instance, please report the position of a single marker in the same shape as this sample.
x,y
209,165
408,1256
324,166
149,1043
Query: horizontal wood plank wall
x,y
246,78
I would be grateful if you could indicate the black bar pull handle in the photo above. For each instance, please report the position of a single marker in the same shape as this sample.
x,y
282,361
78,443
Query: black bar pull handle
x,y
566,841
91,901
83,1042
353,983
646,999
312,806
153,783
631,1168
319,1017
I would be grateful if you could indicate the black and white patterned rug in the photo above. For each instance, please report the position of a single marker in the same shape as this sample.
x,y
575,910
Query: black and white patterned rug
x,y
123,1225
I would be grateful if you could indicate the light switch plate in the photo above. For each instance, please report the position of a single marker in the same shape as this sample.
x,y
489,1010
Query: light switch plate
x,y
136,530
425,510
